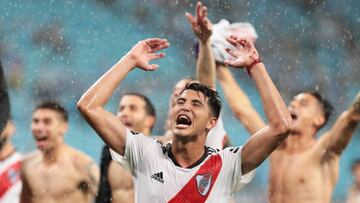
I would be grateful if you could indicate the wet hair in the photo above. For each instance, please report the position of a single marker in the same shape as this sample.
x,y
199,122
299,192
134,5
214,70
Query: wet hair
x,y
326,106
149,107
104,195
55,106
214,99
4,100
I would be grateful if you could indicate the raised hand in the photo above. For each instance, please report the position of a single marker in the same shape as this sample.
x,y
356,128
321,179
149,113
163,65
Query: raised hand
x,y
200,24
244,54
145,51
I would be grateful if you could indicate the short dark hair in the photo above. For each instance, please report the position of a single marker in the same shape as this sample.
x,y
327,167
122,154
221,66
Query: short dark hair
x,y
326,106
214,99
55,106
149,107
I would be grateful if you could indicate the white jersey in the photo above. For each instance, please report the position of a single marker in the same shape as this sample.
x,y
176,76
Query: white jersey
x,y
215,139
10,186
158,178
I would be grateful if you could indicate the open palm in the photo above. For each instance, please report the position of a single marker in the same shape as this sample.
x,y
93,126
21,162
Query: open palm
x,y
200,24
145,51
244,52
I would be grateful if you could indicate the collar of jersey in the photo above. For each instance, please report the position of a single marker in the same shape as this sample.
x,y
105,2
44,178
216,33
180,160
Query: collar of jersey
x,y
199,161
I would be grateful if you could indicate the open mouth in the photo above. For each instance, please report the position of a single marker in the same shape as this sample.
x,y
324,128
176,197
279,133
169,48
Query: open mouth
x,y
39,139
293,116
183,121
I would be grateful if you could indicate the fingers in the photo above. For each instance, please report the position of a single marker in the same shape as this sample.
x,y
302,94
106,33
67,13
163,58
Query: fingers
x,y
236,41
231,52
156,56
198,10
232,41
155,41
157,44
204,12
190,18
158,47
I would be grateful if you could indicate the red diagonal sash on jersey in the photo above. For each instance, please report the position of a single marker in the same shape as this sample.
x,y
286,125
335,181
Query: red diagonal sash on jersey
x,y
9,177
198,188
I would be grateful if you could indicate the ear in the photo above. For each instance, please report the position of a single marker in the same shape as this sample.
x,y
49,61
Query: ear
x,y
64,127
318,121
150,121
211,123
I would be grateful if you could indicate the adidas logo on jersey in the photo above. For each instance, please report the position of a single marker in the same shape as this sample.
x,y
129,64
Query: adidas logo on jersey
x,y
158,177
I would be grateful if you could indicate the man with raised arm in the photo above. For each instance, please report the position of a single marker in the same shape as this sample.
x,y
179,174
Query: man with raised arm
x,y
205,74
303,169
186,170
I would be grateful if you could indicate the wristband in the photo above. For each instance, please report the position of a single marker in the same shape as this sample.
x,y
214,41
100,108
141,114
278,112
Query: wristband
x,y
256,61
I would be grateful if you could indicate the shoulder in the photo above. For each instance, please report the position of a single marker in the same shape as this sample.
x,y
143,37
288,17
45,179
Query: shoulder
x,y
80,160
30,162
31,157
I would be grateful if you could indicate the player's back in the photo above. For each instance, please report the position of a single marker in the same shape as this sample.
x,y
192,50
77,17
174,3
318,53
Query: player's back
x,y
301,177
64,180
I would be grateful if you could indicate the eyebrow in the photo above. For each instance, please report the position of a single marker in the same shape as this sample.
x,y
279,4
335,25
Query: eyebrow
x,y
197,101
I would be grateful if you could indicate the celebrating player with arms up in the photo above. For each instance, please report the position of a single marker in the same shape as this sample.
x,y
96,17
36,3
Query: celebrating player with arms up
x,y
187,171
302,169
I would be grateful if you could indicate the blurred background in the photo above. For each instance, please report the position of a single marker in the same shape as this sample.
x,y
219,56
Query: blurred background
x,y
57,49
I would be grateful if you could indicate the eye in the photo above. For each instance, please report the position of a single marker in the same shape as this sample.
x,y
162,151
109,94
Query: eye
x,y
196,104
180,101
303,102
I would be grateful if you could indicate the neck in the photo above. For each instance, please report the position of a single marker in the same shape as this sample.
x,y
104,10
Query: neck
x,y
297,142
52,155
6,151
186,152
146,132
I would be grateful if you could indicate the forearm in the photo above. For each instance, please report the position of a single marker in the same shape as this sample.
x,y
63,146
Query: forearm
x,y
274,106
206,68
238,101
101,91
339,136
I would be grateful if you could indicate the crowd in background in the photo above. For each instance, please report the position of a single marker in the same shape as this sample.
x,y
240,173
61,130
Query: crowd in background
x,y
58,48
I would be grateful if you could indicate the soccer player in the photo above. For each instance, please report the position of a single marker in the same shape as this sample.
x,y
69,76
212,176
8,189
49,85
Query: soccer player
x,y
10,160
303,168
186,170
205,73
57,172
116,185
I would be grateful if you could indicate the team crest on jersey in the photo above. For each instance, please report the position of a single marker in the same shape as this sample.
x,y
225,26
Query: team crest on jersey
x,y
203,183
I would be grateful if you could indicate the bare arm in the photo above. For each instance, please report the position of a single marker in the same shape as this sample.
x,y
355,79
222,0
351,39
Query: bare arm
x,y
239,101
338,137
25,195
91,104
265,141
202,27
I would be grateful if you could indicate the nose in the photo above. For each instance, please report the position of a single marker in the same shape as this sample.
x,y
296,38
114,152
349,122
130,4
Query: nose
x,y
38,128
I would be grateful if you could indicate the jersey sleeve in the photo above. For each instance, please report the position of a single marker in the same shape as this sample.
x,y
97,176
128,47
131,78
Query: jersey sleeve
x,y
135,147
232,162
